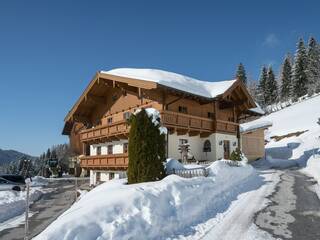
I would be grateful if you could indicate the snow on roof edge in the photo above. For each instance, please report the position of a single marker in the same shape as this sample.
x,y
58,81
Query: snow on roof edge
x,y
253,125
174,80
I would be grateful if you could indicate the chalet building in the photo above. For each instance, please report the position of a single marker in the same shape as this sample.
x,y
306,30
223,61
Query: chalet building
x,y
203,115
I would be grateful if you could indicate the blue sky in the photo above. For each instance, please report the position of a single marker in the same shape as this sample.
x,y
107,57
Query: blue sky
x,y
49,50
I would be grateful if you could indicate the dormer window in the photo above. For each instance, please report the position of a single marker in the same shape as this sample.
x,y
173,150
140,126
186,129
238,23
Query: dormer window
x,y
109,120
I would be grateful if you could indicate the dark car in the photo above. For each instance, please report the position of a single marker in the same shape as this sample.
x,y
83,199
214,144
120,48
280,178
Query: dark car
x,y
12,182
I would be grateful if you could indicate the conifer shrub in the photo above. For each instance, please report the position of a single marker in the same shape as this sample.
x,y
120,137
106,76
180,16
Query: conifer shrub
x,y
146,149
236,155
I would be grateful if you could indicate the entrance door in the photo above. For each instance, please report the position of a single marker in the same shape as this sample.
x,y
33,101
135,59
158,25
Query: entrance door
x,y
226,149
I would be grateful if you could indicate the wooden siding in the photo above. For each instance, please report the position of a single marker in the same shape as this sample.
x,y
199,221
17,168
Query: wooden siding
x,y
111,161
253,144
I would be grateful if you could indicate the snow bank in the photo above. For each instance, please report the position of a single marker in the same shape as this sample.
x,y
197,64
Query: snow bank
x,y
174,80
154,210
313,167
12,203
173,164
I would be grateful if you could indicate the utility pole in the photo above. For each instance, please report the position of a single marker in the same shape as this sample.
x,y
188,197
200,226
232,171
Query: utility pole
x,y
26,226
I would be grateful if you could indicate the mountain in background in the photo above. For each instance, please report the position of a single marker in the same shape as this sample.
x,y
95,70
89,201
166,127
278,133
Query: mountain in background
x,y
8,156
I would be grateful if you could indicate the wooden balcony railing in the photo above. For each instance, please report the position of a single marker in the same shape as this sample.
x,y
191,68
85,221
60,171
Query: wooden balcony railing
x,y
120,130
181,120
226,126
105,131
112,161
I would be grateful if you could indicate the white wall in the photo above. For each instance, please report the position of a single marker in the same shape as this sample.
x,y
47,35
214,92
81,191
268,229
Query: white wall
x,y
104,175
219,148
196,146
117,147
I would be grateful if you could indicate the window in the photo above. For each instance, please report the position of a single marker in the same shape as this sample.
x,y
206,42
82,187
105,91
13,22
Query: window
x,y
109,120
183,141
211,115
125,147
99,150
183,109
207,146
126,115
111,175
110,149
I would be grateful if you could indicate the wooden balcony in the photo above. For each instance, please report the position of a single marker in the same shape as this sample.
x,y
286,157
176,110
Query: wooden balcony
x,y
226,127
108,162
115,131
186,121
182,123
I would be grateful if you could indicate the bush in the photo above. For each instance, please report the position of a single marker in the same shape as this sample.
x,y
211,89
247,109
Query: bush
x,y
236,155
146,150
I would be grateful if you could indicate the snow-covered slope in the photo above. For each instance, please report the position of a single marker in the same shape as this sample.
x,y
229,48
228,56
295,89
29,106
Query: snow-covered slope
x,y
301,150
298,117
175,80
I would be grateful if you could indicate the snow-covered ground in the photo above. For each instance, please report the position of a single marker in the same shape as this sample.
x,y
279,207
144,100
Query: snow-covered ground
x,y
170,208
12,203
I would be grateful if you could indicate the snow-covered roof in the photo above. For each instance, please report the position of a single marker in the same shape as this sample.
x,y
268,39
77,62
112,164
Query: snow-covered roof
x,y
257,109
254,125
174,80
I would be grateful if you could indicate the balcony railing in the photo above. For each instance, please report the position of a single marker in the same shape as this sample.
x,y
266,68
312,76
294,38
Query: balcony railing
x,y
120,130
181,120
226,126
111,161
105,131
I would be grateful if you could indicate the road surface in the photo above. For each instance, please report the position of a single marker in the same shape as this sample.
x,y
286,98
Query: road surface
x,y
284,207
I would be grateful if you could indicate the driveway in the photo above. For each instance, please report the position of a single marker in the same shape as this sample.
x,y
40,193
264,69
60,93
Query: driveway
x,y
284,207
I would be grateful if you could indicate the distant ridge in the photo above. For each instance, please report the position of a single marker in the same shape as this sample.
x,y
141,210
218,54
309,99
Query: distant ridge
x,y
8,156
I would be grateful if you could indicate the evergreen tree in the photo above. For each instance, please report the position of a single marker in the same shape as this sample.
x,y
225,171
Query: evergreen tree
x,y
261,89
286,79
48,154
271,90
313,68
146,150
299,72
241,74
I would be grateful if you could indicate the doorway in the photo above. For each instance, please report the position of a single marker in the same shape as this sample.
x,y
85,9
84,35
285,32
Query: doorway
x,y
226,149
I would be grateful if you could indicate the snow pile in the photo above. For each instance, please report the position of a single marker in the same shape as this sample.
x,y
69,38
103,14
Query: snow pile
x,y
12,203
174,80
254,125
155,210
173,164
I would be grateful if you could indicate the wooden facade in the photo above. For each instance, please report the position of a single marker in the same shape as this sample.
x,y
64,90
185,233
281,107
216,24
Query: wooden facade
x,y
100,114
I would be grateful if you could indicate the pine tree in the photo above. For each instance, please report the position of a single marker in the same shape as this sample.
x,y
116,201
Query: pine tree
x,y
241,74
48,154
313,68
261,89
271,90
146,150
286,79
299,72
